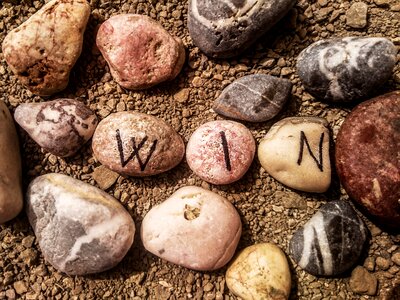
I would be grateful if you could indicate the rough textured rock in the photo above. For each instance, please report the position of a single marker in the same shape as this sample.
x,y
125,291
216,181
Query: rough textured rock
x,y
80,229
226,28
253,98
362,282
367,157
194,228
339,69
139,51
331,242
356,16
104,177
61,126
43,50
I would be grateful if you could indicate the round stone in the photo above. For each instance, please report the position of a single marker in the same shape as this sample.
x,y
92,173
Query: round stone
x,y
220,152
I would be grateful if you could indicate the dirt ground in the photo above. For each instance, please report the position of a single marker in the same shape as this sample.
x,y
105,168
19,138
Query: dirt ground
x,y
270,212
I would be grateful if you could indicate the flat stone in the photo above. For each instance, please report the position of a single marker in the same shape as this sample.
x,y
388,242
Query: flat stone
x,y
43,50
61,126
260,271
295,151
220,152
367,157
194,228
362,282
104,177
226,28
80,228
331,242
356,15
137,144
339,69
253,98
139,51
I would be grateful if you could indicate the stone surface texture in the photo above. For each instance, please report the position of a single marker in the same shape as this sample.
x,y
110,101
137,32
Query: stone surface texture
x,y
356,16
362,282
104,177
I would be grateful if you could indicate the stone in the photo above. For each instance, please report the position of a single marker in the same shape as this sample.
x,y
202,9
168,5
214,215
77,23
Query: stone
x,y
295,151
339,69
225,28
260,271
60,126
356,15
80,228
10,168
220,152
104,177
396,258
331,242
362,282
367,157
194,228
253,98
43,50
139,51
20,287
136,144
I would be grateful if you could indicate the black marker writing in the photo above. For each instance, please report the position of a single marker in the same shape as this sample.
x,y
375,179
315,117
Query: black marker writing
x,y
303,140
226,151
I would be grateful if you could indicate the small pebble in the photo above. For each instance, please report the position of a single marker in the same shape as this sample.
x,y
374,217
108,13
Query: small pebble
x,y
104,177
396,258
362,282
356,15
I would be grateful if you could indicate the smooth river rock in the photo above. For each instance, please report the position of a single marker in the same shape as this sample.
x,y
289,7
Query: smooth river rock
x,y
80,228
346,69
43,50
253,98
137,144
61,126
225,28
139,51
368,157
331,242
295,151
194,228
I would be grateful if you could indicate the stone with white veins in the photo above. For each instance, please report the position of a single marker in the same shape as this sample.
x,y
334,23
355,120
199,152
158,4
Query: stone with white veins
x,y
80,228
331,242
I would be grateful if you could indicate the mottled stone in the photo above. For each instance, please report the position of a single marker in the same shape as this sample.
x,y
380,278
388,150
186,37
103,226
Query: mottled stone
x,y
367,157
340,69
220,152
225,28
356,15
331,242
194,228
139,51
362,282
260,272
80,229
43,50
61,126
295,151
104,177
137,144
253,98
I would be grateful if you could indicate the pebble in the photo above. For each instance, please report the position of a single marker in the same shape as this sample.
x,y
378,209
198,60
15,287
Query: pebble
x,y
225,28
10,168
137,144
61,126
356,15
253,98
295,151
194,228
104,177
220,152
339,69
80,228
362,282
367,157
43,50
260,271
139,51
331,242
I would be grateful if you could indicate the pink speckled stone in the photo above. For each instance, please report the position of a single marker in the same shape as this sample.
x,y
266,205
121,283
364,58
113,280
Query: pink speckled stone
x,y
220,152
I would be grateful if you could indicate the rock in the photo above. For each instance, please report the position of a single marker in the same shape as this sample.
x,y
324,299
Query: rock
x,y
61,126
43,50
259,272
80,228
104,177
356,16
362,282
10,168
194,228
367,157
226,28
339,70
220,152
20,287
139,51
137,144
396,258
295,151
253,98
331,242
